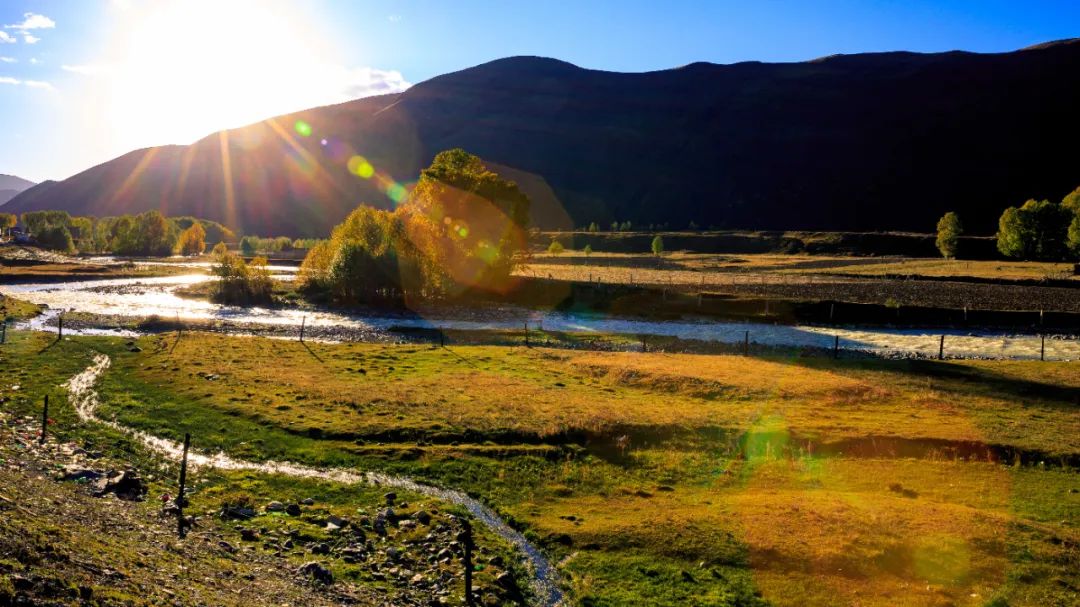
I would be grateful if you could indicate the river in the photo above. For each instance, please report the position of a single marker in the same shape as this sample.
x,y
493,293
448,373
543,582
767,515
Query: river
x,y
141,297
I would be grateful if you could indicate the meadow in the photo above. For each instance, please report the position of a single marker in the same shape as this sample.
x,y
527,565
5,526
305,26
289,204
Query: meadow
x,y
651,478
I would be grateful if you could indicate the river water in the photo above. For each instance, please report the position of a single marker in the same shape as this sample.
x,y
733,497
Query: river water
x,y
140,297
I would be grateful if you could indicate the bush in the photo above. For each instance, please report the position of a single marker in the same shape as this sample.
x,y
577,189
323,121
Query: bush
x,y
555,248
240,283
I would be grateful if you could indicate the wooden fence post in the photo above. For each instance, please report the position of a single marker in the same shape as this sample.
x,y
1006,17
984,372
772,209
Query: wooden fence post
x,y
832,309
44,420
941,348
3,332
303,322
746,344
181,528
836,347
526,334
467,545
60,327
1042,347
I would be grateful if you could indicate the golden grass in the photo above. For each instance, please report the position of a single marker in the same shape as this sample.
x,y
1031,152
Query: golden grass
x,y
367,389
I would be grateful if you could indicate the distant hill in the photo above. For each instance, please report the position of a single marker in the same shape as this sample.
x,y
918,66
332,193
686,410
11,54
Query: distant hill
x,y
848,142
10,186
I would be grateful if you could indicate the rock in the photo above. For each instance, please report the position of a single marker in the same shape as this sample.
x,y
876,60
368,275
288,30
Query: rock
x,y
292,510
134,349
417,579
317,572
665,488
390,497
496,561
126,485
249,535
423,517
79,474
275,507
687,577
226,546
236,513
308,502
320,548
393,554
505,580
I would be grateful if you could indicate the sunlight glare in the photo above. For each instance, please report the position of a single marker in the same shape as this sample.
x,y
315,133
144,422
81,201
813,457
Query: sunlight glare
x,y
188,68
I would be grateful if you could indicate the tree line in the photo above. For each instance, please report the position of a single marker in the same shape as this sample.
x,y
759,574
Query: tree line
x,y
1037,230
149,233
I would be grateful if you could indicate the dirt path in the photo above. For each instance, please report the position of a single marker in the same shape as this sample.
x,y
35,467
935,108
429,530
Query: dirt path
x,y
545,580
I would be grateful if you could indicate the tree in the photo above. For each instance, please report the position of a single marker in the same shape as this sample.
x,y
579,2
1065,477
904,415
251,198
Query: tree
x,y
1036,230
587,250
7,221
249,245
658,246
1074,236
614,226
555,248
192,241
593,227
949,230
219,249
57,238
1072,201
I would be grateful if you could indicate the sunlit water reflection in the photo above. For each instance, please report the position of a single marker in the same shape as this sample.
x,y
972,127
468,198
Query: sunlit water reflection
x,y
141,297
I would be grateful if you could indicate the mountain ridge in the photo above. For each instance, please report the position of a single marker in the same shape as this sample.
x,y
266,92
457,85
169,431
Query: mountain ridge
x,y
837,143
11,186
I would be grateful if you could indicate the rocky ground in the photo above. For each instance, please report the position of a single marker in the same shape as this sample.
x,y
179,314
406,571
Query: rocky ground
x,y
79,528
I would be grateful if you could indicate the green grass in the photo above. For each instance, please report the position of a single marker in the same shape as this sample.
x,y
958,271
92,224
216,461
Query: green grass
x,y
714,474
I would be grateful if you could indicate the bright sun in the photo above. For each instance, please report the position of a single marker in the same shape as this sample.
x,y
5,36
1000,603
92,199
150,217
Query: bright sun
x,y
186,68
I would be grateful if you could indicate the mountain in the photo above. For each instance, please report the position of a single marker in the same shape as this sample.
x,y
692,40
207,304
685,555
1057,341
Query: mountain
x,y
847,142
10,186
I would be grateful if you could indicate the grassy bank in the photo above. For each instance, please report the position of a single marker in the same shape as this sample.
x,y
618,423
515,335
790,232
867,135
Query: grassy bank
x,y
668,479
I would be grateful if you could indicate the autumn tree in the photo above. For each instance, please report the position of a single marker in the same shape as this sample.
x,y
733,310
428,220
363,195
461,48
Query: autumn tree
x,y
192,241
658,245
7,221
949,230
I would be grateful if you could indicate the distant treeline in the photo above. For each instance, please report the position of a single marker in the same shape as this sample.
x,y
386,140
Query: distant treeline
x,y
149,233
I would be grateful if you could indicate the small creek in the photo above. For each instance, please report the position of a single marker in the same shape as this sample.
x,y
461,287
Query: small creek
x,y
545,581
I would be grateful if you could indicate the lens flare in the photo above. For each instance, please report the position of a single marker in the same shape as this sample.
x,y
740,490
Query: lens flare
x,y
302,128
359,166
396,192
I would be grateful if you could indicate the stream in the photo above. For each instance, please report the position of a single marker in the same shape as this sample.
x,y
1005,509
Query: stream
x,y
545,580
142,297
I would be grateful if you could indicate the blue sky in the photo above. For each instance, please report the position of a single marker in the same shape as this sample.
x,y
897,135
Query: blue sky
x,y
82,81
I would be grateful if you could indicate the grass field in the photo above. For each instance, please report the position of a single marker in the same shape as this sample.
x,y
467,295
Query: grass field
x,y
691,269
666,479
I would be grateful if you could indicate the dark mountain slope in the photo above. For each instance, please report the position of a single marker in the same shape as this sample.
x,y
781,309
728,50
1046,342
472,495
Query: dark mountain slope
x,y
852,142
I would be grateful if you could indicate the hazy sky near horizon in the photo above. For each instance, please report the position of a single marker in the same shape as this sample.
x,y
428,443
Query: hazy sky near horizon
x,y
83,81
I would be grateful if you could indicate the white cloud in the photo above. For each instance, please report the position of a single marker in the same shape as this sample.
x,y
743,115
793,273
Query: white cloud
x,y
394,18
6,38
86,70
34,60
33,21
8,60
30,38
34,84
367,81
